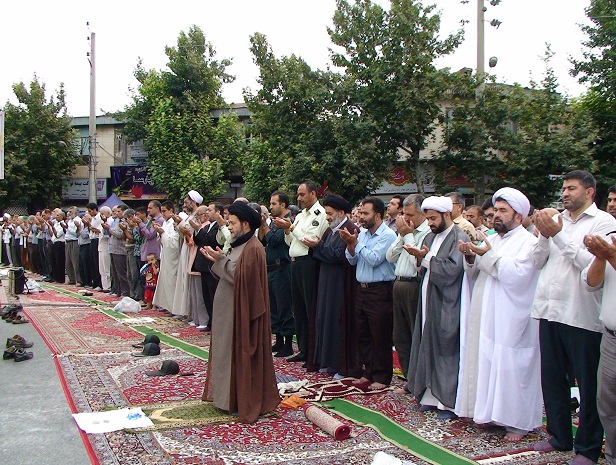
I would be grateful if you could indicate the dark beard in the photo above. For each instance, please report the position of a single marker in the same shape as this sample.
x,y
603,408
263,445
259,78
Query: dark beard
x,y
441,227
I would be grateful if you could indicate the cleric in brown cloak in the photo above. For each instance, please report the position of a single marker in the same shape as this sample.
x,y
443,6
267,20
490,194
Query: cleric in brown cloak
x,y
240,374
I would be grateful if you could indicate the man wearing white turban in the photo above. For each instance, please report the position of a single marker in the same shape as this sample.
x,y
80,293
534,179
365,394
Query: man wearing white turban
x,y
435,351
188,298
500,360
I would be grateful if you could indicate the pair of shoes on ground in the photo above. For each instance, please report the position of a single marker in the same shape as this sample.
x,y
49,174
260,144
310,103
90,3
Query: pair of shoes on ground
x,y
18,354
10,314
19,342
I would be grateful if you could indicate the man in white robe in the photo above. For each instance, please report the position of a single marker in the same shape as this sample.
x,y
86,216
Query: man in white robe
x,y
188,295
507,358
169,257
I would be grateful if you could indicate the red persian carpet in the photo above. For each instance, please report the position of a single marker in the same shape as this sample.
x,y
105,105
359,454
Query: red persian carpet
x,y
98,371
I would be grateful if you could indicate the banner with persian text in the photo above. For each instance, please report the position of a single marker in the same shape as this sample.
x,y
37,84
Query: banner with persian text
x,y
134,183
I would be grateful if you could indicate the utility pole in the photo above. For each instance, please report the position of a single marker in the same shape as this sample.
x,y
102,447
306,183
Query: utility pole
x,y
92,127
481,9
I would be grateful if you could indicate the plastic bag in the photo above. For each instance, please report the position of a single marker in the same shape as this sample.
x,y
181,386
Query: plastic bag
x,y
127,305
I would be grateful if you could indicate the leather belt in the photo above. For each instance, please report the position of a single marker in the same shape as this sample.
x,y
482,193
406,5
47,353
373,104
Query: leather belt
x,y
277,266
373,285
300,258
405,279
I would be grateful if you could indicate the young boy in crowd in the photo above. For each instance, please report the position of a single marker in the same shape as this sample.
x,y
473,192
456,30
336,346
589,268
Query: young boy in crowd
x,y
149,272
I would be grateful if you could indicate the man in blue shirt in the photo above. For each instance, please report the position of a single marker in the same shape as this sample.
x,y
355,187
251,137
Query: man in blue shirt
x,y
374,302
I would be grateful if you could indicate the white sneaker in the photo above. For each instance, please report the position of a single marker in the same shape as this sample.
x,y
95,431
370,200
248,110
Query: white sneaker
x,y
178,317
201,327
192,323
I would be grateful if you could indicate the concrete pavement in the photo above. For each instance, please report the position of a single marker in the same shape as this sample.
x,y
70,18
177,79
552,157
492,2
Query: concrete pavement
x,y
36,426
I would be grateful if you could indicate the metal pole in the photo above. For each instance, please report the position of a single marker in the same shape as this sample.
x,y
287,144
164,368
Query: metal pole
x,y
92,127
480,47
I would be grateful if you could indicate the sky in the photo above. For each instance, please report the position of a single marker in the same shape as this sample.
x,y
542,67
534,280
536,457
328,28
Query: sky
x,y
50,39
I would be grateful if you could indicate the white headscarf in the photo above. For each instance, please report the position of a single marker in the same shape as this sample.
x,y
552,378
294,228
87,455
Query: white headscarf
x,y
518,201
195,196
440,204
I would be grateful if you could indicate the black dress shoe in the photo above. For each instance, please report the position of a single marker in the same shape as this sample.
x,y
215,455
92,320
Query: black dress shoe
x,y
298,357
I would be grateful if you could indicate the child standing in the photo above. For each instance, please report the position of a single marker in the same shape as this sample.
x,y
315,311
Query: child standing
x,y
149,272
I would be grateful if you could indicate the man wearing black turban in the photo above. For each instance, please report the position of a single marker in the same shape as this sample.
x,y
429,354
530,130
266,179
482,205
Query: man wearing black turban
x,y
335,337
240,376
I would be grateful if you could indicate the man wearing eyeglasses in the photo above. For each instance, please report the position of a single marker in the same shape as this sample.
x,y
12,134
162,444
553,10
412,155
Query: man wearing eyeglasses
x,y
456,215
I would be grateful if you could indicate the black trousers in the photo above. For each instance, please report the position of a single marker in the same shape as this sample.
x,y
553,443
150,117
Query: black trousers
x,y
95,273
280,301
208,285
302,295
58,260
85,265
564,347
374,314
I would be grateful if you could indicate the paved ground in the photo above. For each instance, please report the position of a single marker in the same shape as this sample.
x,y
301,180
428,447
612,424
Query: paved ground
x,y
36,426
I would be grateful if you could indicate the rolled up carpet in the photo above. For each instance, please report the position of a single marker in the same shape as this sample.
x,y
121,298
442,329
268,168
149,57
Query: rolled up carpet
x,y
327,423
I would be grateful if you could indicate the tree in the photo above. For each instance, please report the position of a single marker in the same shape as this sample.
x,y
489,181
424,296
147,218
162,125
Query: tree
x,y
519,137
346,130
388,61
171,112
598,68
302,130
473,133
41,147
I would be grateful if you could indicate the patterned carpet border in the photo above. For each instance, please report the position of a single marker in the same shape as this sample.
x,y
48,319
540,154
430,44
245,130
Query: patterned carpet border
x,y
94,382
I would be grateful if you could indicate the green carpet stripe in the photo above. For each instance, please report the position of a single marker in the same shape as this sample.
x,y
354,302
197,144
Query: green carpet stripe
x,y
396,434
191,349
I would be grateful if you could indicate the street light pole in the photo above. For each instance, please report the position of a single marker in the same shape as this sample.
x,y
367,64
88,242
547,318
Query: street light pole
x,y
92,127
480,47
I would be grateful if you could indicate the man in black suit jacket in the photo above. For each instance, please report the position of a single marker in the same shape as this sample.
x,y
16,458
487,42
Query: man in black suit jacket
x,y
206,236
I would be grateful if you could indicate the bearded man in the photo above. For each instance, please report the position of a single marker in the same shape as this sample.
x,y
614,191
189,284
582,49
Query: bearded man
x,y
188,298
335,340
500,343
435,350
373,303
240,376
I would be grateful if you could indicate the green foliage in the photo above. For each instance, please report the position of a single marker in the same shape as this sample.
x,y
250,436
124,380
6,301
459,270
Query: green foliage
x,y
347,130
171,112
293,125
388,61
517,137
41,148
598,69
